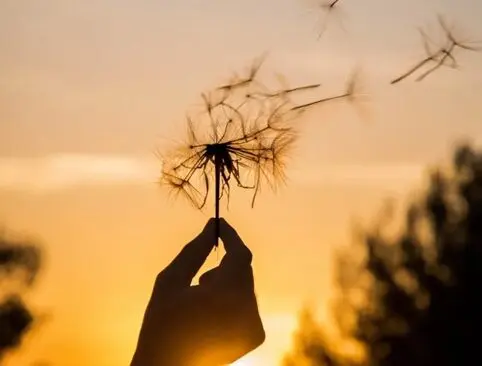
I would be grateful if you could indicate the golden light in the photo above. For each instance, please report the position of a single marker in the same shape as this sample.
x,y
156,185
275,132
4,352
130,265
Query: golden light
x,y
246,362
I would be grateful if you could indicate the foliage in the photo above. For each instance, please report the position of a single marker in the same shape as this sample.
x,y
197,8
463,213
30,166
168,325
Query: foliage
x,y
412,299
19,266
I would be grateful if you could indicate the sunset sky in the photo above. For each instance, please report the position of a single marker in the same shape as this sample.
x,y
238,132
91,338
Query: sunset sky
x,y
89,90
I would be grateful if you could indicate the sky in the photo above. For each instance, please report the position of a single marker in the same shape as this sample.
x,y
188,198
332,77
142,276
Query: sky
x,y
90,90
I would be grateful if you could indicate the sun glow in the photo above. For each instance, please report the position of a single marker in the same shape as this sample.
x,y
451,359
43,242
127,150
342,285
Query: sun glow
x,y
279,328
246,362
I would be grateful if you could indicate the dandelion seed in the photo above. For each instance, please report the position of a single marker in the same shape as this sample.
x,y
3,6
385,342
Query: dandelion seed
x,y
325,10
438,55
351,92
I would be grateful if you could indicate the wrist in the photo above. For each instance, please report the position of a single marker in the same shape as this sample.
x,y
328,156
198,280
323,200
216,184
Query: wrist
x,y
142,358
145,358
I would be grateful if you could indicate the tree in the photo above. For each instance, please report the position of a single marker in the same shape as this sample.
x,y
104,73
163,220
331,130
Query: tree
x,y
412,298
19,266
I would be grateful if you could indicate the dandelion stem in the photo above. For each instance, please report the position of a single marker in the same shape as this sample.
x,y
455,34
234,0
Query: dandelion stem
x,y
217,164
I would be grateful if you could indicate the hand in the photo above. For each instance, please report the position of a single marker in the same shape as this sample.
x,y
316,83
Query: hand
x,y
213,323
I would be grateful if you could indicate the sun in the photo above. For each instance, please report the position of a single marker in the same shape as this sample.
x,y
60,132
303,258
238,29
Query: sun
x,y
247,361
244,362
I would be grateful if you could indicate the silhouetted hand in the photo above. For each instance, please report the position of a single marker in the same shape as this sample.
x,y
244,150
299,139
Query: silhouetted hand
x,y
213,323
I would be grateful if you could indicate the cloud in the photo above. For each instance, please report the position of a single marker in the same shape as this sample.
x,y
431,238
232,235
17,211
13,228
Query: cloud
x,y
64,171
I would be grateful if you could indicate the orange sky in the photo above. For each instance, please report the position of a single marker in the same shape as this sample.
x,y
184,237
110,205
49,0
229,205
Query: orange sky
x,y
90,89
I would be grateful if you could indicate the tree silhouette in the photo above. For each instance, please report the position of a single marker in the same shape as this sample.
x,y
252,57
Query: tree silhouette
x,y
412,299
19,266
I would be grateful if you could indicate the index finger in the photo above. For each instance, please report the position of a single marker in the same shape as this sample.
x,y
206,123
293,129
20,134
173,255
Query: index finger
x,y
180,272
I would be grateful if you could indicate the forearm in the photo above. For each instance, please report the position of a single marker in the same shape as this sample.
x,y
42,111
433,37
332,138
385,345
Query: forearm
x,y
142,358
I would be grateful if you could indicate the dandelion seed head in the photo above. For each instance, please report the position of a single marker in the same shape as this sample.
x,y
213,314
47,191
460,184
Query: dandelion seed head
x,y
245,127
240,135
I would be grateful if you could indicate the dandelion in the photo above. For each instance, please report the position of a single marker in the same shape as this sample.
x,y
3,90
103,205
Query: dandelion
x,y
241,137
438,55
